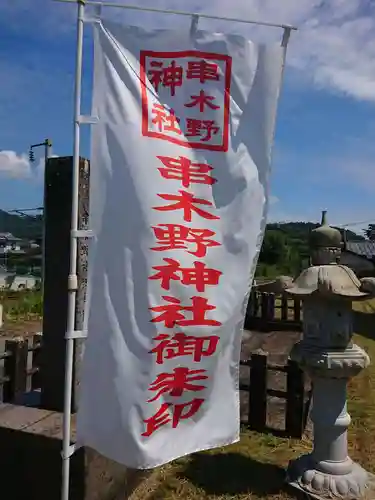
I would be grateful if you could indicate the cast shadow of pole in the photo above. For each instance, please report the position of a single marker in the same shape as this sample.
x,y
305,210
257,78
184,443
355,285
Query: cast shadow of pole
x,y
234,474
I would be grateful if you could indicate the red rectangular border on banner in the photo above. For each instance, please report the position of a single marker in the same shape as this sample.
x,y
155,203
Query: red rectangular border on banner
x,y
177,55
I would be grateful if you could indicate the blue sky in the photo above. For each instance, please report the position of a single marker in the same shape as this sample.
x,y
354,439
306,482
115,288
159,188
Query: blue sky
x,y
324,155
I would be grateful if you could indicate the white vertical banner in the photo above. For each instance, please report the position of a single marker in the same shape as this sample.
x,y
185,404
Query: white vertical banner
x,y
180,166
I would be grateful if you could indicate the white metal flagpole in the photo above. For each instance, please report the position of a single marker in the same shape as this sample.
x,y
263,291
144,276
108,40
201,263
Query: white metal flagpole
x,y
67,450
284,44
71,334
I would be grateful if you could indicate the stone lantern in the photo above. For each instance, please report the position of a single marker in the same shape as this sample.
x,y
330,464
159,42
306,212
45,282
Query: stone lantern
x,y
328,355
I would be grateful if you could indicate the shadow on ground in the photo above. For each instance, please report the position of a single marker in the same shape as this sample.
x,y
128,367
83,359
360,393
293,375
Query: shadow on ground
x,y
364,324
234,474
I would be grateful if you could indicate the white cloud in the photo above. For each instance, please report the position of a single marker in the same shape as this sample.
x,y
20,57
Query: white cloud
x,y
14,165
273,200
333,47
336,50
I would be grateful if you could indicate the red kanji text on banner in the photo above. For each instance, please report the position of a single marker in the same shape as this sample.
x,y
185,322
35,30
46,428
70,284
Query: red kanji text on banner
x,y
201,119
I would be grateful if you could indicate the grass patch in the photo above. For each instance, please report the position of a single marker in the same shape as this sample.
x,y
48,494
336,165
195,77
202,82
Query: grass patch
x,y
254,468
290,310
250,469
22,305
366,307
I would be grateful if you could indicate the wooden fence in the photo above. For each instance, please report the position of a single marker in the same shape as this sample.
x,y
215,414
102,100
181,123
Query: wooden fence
x,y
19,375
296,397
272,312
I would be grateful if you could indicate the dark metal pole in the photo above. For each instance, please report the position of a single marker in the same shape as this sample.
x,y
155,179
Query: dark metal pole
x,y
47,146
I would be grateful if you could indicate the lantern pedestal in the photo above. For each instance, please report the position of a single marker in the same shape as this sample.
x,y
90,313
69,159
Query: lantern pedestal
x,y
328,472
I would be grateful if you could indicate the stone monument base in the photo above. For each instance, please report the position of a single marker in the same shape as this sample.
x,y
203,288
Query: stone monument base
x,y
30,461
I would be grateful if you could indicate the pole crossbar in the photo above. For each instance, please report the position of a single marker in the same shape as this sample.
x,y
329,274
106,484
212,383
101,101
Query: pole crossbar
x,y
181,13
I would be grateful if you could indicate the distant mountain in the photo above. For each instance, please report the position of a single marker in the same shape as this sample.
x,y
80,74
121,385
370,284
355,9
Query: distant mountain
x,y
285,248
296,234
31,227
301,230
28,227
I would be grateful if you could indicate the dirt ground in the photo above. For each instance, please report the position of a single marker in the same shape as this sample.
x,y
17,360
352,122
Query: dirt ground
x,y
23,328
278,346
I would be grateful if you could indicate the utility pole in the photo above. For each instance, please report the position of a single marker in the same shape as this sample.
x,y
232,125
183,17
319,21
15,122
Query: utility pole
x,y
47,144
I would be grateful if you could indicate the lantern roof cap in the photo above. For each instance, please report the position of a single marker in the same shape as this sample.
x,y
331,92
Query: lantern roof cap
x,y
325,236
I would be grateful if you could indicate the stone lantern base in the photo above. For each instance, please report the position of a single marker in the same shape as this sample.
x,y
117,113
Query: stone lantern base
x,y
328,473
320,483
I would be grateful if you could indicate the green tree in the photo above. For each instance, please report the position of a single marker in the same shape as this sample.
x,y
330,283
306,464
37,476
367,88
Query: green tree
x,y
274,249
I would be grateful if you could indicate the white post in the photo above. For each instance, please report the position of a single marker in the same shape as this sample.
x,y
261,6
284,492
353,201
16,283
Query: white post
x,y
72,281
